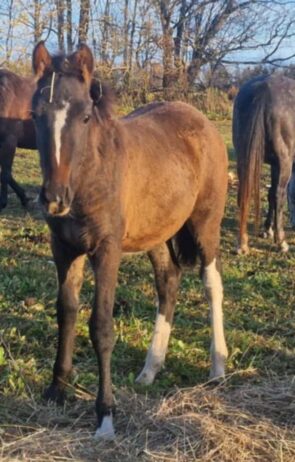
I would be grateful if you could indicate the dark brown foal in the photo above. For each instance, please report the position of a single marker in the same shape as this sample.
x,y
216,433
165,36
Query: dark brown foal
x,y
153,181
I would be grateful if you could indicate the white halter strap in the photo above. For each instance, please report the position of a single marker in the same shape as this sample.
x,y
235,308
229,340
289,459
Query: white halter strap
x,y
52,87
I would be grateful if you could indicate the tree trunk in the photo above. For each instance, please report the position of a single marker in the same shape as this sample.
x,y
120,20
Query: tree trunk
x,y
179,33
132,33
105,32
196,61
60,8
69,28
37,21
84,20
126,34
167,40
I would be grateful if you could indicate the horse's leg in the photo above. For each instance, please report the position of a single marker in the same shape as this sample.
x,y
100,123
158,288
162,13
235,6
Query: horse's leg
x,y
285,170
271,200
243,204
105,263
19,191
206,233
7,156
167,275
70,278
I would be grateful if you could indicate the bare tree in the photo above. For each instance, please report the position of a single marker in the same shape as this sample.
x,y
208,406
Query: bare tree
x,y
126,34
166,10
8,42
84,20
223,29
60,9
132,35
37,21
69,28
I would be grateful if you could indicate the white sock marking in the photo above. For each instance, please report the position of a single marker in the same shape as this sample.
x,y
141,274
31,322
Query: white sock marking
x,y
106,430
59,123
214,291
284,246
156,355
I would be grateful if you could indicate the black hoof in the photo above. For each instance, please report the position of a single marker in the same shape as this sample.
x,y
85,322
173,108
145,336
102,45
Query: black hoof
x,y
214,383
25,202
54,394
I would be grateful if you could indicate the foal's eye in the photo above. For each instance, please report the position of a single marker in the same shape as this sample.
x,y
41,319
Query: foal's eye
x,y
86,118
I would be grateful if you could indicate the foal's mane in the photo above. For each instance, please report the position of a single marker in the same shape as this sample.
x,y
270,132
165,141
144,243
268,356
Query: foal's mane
x,y
103,98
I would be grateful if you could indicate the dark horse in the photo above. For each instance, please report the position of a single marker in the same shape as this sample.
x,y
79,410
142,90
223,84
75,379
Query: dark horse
x,y
153,181
264,131
16,127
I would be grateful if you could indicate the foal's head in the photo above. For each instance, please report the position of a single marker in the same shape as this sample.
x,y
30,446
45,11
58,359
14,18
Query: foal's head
x,y
62,109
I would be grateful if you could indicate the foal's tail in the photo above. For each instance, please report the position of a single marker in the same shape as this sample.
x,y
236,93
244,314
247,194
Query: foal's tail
x,y
185,248
250,158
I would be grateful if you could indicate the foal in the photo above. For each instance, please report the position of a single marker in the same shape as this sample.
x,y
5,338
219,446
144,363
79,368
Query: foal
x,y
153,181
16,127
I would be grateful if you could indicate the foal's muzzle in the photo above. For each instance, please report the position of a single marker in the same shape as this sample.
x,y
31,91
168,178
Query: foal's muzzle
x,y
56,199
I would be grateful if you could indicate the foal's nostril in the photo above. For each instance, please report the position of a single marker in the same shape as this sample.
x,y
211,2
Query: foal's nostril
x,y
49,196
56,193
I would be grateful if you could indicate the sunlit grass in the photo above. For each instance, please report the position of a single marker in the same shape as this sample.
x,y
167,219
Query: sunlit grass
x,y
258,307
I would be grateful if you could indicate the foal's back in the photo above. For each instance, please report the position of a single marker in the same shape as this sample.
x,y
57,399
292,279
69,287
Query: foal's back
x,y
172,152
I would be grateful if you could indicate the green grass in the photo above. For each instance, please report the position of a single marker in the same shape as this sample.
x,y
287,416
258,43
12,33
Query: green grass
x,y
258,307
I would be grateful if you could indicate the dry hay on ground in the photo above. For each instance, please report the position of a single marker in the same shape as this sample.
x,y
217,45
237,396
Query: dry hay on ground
x,y
253,422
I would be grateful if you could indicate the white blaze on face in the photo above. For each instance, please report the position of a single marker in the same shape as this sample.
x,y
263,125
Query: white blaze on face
x,y
157,352
60,118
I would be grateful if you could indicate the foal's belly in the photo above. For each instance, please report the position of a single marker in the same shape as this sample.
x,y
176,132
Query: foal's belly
x,y
160,203
147,228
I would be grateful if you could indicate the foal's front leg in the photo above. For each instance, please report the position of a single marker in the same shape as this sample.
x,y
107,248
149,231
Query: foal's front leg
x,y
70,277
105,264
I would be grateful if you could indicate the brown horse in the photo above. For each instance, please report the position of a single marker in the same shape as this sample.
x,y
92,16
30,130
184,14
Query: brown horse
x,y
153,181
16,127
264,131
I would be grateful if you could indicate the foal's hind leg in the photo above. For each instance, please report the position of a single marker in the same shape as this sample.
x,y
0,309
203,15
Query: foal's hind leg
x,y
206,233
7,155
167,275
70,277
214,292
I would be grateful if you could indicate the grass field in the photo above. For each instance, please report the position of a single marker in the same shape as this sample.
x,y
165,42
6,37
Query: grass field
x,y
250,417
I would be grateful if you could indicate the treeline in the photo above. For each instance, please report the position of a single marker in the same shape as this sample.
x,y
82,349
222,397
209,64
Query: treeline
x,y
170,46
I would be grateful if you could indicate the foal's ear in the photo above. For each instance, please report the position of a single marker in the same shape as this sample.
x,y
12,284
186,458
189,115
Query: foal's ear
x,y
103,99
41,59
83,60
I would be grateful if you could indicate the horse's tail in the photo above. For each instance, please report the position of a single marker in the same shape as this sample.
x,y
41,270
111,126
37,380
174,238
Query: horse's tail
x,y
250,158
185,248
